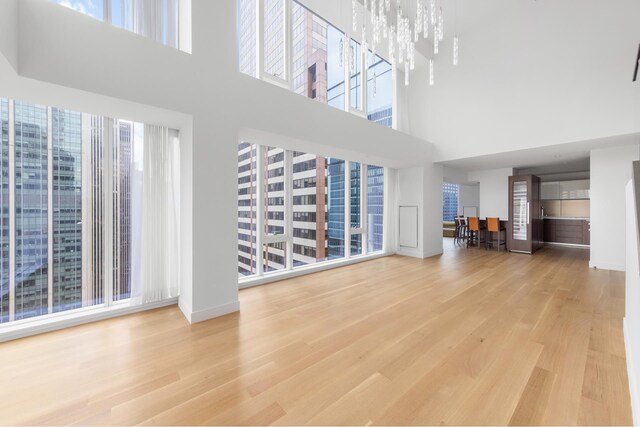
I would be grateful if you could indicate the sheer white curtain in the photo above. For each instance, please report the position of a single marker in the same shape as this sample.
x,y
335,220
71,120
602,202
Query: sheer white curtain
x,y
156,19
159,249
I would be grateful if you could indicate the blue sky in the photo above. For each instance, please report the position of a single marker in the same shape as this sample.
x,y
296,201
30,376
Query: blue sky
x,y
89,7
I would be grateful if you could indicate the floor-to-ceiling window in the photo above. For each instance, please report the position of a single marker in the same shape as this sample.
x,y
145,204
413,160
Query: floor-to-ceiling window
x,y
318,67
301,51
158,20
450,194
379,91
71,203
300,209
375,208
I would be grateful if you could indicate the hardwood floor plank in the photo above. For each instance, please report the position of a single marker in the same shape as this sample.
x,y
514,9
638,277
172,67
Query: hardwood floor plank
x,y
471,337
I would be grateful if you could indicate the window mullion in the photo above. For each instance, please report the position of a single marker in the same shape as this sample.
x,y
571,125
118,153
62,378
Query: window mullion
x,y
87,207
363,208
365,84
387,226
347,209
394,96
12,211
288,42
107,11
260,212
109,135
50,209
260,39
347,75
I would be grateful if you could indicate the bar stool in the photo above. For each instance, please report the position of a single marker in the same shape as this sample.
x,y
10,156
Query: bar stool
x,y
494,227
475,233
461,229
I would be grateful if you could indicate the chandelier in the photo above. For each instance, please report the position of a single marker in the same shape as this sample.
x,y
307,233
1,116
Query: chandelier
x,y
403,23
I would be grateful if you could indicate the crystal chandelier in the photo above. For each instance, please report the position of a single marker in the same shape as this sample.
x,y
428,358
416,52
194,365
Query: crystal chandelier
x,y
403,23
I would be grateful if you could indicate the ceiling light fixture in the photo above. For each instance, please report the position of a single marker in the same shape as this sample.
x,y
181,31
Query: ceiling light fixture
x,y
414,20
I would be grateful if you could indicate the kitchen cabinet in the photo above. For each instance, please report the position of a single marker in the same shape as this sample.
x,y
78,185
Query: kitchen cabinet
x,y
567,231
566,190
525,232
550,190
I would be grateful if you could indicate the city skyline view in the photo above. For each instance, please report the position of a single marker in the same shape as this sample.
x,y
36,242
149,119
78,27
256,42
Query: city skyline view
x,y
53,204
317,61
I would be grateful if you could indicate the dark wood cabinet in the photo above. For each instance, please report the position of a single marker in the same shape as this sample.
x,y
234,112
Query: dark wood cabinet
x,y
549,228
568,231
525,233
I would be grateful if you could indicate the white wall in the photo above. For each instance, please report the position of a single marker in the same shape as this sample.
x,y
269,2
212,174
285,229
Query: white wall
x,y
422,187
469,196
432,233
410,193
9,31
121,74
532,77
611,169
494,191
632,302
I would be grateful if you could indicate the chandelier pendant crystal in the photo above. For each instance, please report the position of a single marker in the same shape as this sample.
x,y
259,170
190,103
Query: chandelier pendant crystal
x,y
414,20
455,50
432,80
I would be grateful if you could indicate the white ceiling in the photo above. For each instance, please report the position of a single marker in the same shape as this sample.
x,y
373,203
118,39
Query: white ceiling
x,y
555,155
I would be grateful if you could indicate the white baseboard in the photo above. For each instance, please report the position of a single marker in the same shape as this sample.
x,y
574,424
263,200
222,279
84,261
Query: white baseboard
x,y
415,253
210,313
435,252
633,379
410,252
607,266
67,320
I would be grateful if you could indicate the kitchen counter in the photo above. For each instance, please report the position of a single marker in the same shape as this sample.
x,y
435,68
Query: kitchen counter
x,y
567,217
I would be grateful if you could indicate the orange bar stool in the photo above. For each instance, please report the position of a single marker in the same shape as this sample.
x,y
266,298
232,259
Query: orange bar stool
x,y
493,227
476,233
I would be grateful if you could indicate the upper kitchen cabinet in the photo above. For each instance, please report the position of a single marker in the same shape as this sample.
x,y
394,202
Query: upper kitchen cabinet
x,y
566,190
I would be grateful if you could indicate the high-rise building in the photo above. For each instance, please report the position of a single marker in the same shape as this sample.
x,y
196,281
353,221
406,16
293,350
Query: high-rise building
x,y
247,36
450,194
31,273
274,53
318,183
4,211
122,148
67,209
375,208
58,214
383,116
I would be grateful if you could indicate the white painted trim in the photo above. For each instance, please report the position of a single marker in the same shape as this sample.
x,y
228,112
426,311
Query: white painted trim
x,y
435,252
633,379
308,269
607,266
209,313
416,253
410,252
67,320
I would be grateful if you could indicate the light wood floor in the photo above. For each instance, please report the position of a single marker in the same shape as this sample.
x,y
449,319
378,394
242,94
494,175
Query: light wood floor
x,y
471,337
